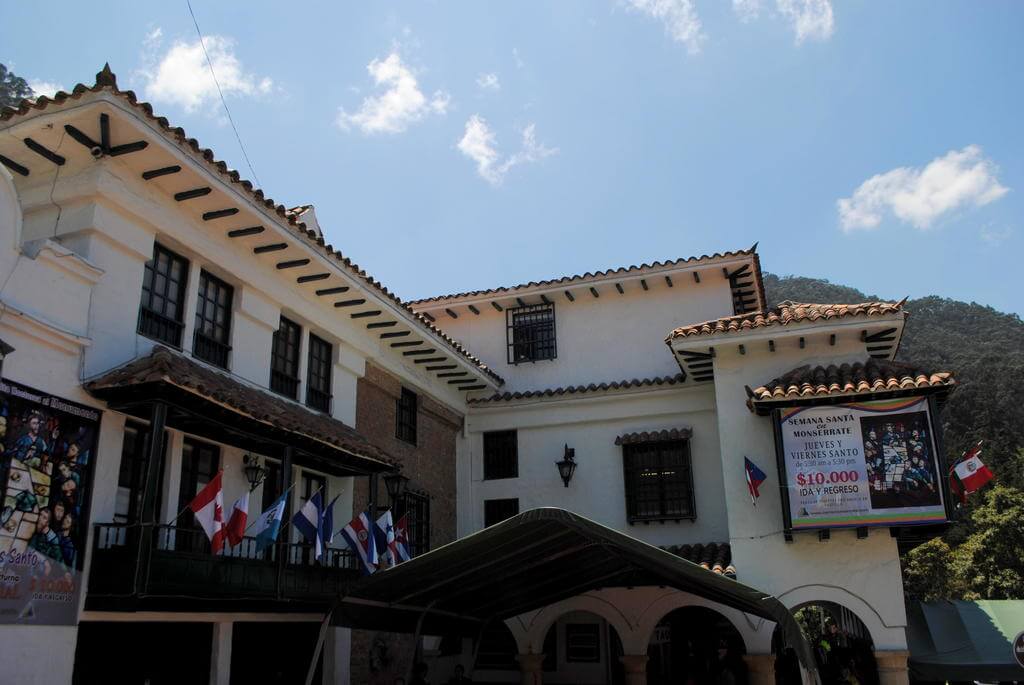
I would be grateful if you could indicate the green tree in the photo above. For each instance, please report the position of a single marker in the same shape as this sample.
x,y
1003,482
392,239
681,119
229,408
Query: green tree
x,y
929,572
990,561
13,88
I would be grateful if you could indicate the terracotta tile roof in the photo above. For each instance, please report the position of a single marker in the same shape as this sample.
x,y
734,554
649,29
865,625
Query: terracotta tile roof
x,y
590,276
714,556
654,436
579,389
860,378
786,313
107,81
166,366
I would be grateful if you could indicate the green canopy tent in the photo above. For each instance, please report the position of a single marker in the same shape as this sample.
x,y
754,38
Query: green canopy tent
x,y
959,640
529,561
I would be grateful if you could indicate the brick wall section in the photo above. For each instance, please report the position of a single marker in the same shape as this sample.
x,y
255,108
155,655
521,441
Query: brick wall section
x,y
430,466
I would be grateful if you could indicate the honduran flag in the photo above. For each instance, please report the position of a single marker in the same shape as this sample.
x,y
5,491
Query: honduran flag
x,y
755,477
402,540
310,520
235,528
208,507
359,536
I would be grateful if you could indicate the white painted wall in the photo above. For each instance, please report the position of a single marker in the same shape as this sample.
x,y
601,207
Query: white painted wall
x,y
610,338
590,424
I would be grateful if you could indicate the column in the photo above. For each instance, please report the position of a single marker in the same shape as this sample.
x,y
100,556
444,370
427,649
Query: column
x,y
635,666
760,668
220,654
892,667
531,668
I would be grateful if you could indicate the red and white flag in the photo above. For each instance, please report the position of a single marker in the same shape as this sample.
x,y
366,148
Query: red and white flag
x,y
208,507
235,528
972,472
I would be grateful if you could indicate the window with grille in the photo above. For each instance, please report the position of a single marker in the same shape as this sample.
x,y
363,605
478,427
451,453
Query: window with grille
x,y
582,642
497,510
318,375
405,416
284,359
501,455
162,311
658,479
213,320
417,507
531,333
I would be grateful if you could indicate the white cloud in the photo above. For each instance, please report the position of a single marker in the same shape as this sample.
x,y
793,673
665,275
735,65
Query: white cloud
x,y
182,75
810,19
480,144
519,60
994,237
919,196
746,10
488,82
401,103
679,17
47,88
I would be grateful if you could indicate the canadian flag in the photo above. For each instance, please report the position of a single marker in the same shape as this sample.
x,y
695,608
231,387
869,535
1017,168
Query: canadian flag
x,y
972,473
208,507
235,529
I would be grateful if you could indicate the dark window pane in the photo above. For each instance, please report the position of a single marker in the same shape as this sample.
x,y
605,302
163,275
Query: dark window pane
x,y
162,296
501,455
200,462
583,642
213,320
318,375
497,510
405,416
284,359
531,333
416,506
658,480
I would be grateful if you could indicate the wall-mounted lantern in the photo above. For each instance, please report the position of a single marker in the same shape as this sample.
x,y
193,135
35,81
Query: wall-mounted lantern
x,y
255,472
567,466
395,483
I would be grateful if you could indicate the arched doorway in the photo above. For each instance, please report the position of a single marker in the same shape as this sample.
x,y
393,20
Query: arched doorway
x,y
842,645
694,644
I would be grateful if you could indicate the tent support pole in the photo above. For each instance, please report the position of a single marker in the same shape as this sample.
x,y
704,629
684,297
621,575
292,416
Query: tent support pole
x,y
319,647
416,640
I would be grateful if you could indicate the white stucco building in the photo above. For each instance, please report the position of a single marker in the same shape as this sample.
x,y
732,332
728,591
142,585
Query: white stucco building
x,y
147,289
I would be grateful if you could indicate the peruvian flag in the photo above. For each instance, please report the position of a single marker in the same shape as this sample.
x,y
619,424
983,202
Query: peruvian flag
x,y
235,529
208,507
971,472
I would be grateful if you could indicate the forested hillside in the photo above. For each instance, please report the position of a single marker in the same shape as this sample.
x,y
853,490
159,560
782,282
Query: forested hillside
x,y
982,555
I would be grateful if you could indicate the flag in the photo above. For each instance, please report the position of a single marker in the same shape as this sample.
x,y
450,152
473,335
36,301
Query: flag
x,y
755,477
267,526
385,532
309,521
971,472
328,521
359,536
402,540
208,507
235,528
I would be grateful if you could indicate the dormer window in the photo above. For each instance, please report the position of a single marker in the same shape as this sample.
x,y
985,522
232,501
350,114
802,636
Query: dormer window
x,y
531,333
162,311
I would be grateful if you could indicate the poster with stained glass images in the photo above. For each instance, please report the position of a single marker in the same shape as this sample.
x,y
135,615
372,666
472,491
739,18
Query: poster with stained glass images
x,y
47,449
862,464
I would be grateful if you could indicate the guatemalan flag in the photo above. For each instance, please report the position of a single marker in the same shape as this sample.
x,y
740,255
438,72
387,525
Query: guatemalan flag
x,y
359,536
755,477
310,520
266,527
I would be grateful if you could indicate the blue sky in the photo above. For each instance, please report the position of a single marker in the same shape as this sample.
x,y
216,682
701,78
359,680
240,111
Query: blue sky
x,y
454,146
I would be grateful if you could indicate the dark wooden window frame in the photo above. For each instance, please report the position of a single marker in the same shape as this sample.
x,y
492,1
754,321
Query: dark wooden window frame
x,y
497,510
284,359
211,340
501,455
417,506
530,333
583,643
162,305
658,473
406,419
318,374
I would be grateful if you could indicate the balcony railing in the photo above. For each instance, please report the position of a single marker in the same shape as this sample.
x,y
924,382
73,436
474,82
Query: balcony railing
x,y
177,562
206,348
283,384
159,327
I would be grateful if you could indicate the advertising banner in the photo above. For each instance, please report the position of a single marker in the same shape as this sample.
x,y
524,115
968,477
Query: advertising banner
x,y
47,446
864,464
